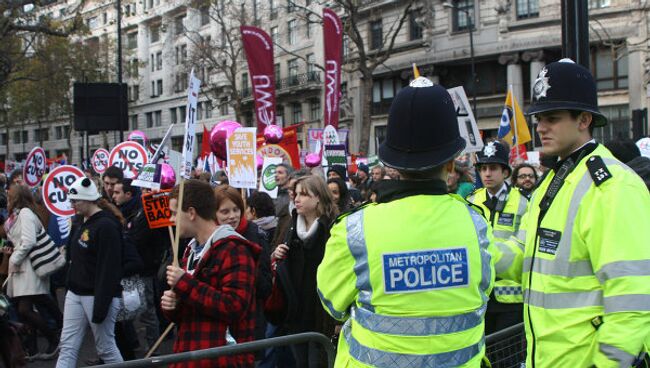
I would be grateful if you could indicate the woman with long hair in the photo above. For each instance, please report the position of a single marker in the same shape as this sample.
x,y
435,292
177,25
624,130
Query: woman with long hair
x,y
303,251
93,282
24,285
340,194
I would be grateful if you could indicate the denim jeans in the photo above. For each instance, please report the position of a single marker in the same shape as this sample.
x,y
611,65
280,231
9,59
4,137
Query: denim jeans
x,y
77,315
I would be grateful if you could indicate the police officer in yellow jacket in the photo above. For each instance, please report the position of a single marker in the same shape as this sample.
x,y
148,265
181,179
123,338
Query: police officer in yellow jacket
x,y
586,267
411,275
503,206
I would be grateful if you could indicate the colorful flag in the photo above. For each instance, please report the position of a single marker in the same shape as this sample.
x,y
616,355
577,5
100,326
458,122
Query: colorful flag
x,y
513,128
332,45
259,53
205,143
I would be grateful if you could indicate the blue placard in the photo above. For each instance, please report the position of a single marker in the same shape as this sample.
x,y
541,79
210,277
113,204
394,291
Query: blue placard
x,y
425,270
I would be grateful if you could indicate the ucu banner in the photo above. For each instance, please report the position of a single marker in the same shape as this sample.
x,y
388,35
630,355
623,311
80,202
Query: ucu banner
x,y
259,53
333,44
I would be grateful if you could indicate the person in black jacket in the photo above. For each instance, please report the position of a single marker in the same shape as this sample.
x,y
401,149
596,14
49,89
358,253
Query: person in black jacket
x,y
93,279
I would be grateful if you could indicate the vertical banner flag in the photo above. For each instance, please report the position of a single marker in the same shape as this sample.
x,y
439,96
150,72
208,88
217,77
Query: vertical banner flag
x,y
259,53
466,121
267,182
333,45
513,128
242,165
190,122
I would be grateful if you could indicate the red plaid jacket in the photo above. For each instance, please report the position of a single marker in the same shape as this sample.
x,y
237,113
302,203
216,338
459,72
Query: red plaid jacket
x,y
218,296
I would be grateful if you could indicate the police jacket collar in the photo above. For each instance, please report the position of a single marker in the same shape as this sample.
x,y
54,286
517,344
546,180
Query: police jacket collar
x,y
390,190
586,149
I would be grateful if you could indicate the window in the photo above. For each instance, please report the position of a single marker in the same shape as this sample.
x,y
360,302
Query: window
x,y
132,40
619,125
311,64
154,33
291,31
136,92
172,115
42,134
159,60
134,122
16,137
376,34
3,139
157,118
296,112
177,143
279,115
309,26
153,63
292,67
415,30
609,67
178,25
314,110
153,89
291,6
383,92
244,81
276,71
346,47
274,34
527,9
199,111
205,15
181,82
58,132
460,11
25,136
182,113
597,4
223,106
273,11
149,116
159,87
208,109
104,18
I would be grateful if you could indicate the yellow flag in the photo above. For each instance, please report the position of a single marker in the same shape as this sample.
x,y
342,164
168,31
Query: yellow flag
x,y
512,115
416,72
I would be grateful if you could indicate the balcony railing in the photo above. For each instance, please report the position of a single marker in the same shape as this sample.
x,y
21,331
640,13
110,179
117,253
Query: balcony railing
x,y
292,81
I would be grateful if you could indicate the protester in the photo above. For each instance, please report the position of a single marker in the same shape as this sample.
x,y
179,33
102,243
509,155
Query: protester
x,y
212,292
303,252
377,270
112,176
525,178
25,287
459,181
585,237
261,211
377,173
624,149
282,176
392,173
340,194
364,179
94,273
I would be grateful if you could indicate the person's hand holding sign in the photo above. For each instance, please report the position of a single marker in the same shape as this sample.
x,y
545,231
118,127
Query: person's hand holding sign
x,y
174,274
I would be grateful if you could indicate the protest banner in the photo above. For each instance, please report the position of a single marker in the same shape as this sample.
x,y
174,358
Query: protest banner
x,y
190,122
148,177
55,189
267,181
332,50
129,157
335,154
11,166
466,121
242,165
100,160
156,209
287,148
315,135
258,47
34,167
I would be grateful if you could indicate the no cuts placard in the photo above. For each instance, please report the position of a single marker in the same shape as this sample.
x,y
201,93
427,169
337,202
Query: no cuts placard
x,y
128,157
34,167
55,189
100,160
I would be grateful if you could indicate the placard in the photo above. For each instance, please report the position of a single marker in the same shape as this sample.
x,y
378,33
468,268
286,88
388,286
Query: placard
x,y
34,167
100,160
190,122
466,121
156,209
242,168
267,180
315,135
129,157
149,177
55,189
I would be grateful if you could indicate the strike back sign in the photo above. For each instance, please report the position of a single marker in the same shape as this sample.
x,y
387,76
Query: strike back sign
x,y
156,209
425,270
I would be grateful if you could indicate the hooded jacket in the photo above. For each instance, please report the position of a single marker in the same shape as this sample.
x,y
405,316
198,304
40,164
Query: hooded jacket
x,y
219,295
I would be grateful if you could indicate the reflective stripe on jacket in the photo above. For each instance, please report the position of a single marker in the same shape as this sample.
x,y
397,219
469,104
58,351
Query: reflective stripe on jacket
x,y
412,277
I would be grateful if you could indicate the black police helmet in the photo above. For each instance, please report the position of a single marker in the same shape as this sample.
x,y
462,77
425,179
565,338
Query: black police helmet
x,y
422,128
565,85
494,152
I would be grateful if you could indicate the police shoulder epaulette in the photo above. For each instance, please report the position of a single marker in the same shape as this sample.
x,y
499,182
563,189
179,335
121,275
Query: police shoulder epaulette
x,y
348,213
465,201
598,170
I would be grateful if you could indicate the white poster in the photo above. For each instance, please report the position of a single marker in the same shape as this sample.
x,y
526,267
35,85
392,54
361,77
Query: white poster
x,y
190,122
267,180
466,121
242,165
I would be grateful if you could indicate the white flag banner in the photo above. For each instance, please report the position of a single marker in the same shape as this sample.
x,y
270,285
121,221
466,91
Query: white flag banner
x,y
267,182
190,122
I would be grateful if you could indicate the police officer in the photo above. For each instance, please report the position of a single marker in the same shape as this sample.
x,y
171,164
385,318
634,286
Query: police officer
x,y
586,269
503,206
411,274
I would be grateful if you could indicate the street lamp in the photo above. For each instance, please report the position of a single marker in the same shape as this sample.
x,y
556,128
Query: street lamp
x,y
470,23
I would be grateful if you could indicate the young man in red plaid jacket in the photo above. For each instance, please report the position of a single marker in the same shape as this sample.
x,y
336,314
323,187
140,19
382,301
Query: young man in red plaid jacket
x,y
212,293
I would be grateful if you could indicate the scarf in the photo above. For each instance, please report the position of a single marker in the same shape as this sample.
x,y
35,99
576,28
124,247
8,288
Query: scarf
x,y
301,228
266,223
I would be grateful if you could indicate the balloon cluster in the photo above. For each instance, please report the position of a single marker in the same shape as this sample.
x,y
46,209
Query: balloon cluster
x,y
273,134
219,135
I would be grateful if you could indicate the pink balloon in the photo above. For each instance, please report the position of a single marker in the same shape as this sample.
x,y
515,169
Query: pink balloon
x,y
218,136
273,134
138,136
167,176
313,159
260,161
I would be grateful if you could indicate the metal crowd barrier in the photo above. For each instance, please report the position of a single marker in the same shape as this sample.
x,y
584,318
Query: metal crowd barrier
x,y
246,347
506,348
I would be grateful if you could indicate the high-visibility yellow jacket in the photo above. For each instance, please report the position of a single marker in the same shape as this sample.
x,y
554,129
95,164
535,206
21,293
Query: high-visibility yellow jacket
x,y
586,270
412,278
505,223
